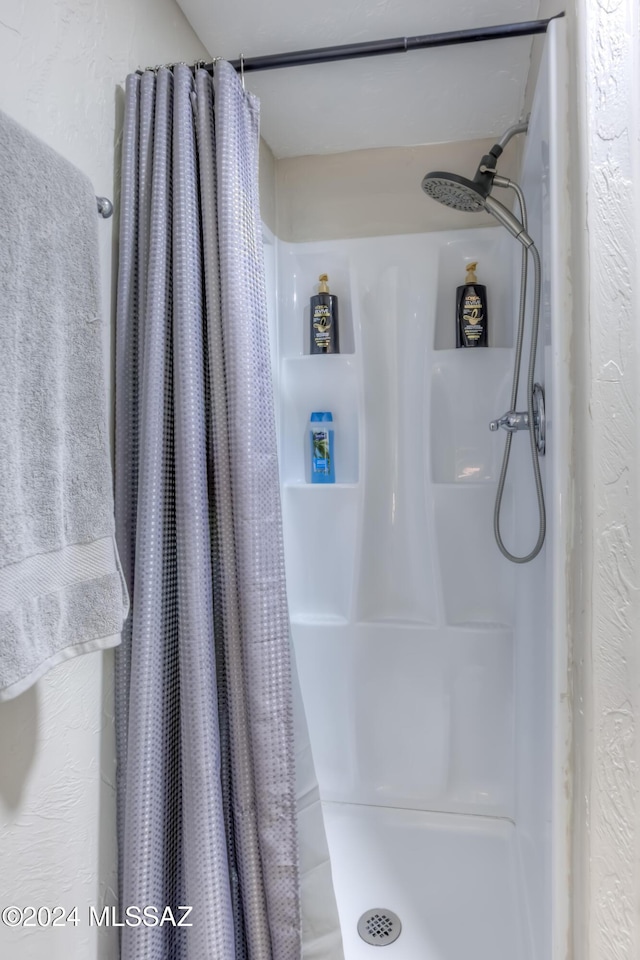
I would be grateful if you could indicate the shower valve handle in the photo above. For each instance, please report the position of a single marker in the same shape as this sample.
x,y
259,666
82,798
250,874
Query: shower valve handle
x,y
511,421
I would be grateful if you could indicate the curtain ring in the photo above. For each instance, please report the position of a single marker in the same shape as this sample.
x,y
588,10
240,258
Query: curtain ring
x,y
242,70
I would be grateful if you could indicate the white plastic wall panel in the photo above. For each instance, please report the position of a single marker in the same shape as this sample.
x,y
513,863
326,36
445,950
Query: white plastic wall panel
x,y
402,606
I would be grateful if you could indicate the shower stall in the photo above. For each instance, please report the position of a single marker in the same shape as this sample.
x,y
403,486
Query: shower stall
x,y
433,670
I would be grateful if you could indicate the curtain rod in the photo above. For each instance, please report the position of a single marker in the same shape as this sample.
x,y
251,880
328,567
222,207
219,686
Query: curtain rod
x,y
375,48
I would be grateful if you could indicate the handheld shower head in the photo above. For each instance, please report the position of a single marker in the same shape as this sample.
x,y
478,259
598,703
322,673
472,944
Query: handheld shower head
x,y
471,196
459,193
454,191
507,219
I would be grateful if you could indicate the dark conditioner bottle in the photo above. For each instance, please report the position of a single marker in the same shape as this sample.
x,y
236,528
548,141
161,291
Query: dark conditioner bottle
x,y
324,320
471,311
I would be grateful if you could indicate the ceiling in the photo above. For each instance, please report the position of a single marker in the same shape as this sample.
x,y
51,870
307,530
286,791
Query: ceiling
x,y
425,96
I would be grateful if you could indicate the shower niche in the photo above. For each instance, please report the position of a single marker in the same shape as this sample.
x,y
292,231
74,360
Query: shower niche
x,y
468,387
320,516
495,253
398,555
298,282
416,464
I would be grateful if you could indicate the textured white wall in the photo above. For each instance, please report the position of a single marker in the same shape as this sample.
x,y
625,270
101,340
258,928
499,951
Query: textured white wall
x,y
62,62
607,891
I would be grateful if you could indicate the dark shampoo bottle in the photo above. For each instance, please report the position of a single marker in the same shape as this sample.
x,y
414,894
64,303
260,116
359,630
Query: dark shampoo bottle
x,y
471,311
324,320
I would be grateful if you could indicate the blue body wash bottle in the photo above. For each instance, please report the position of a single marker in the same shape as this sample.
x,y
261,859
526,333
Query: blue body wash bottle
x,y
321,437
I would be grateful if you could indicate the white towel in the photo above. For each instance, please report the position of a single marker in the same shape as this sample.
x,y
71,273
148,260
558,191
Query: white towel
x,y
61,586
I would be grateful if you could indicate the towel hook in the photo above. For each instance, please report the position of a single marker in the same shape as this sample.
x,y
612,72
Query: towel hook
x,y
242,70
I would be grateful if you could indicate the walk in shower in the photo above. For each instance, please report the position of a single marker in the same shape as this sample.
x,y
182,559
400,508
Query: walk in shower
x,y
433,670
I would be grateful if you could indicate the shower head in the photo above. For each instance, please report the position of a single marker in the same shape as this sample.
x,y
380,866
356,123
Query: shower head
x,y
471,196
454,191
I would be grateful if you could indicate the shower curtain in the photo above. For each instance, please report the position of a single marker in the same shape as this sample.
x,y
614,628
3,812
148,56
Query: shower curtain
x,y
204,710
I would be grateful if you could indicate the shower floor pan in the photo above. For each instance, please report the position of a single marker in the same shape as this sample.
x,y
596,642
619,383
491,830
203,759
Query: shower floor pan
x,y
451,879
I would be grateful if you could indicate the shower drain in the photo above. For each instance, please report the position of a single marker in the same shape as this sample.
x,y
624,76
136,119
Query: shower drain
x,y
379,927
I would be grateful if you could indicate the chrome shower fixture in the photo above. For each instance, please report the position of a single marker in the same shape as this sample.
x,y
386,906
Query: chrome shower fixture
x,y
512,421
468,196
454,191
472,196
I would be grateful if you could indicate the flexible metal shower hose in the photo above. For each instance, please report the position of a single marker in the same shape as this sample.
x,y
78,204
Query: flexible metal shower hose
x,y
514,394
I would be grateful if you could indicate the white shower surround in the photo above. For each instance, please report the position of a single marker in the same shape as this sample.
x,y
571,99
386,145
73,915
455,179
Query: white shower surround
x,y
434,672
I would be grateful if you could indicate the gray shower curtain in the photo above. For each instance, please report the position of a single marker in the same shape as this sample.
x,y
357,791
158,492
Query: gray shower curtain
x,y
204,724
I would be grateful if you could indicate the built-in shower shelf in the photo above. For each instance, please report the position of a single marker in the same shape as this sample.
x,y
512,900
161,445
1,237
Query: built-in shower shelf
x,y
463,482
469,389
300,267
326,364
312,620
465,351
482,626
397,623
345,356
299,484
319,383
494,252
320,523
